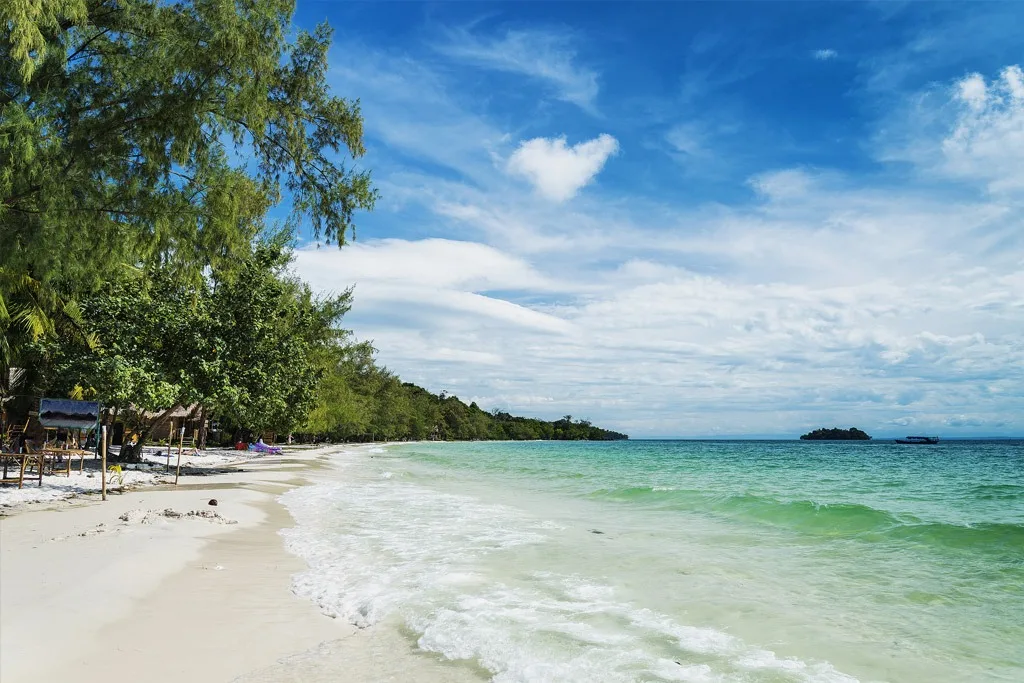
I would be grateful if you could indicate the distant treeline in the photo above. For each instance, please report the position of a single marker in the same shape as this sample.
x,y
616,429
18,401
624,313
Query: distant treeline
x,y
375,405
836,434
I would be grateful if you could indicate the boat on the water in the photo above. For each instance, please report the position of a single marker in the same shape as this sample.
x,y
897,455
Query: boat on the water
x,y
920,440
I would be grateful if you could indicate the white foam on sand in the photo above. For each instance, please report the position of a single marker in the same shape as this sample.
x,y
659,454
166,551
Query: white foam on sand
x,y
444,565
360,570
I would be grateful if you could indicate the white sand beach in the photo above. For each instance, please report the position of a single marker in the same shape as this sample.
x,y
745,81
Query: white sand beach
x,y
127,589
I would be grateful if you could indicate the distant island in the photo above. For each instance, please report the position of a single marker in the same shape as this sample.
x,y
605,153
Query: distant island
x,y
836,434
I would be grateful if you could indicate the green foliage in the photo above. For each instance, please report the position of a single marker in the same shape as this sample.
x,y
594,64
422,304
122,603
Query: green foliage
x,y
271,333
115,476
836,434
28,20
142,133
359,401
246,347
136,318
30,312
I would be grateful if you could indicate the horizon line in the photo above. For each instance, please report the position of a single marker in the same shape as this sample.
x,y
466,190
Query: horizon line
x,y
755,437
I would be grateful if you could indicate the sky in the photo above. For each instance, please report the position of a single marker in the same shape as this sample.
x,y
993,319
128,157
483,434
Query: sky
x,y
692,220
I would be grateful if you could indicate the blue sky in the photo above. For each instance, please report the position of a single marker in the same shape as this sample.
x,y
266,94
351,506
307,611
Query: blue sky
x,y
708,219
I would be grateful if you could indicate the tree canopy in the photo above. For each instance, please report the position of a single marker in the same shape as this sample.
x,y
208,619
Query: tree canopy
x,y
158,134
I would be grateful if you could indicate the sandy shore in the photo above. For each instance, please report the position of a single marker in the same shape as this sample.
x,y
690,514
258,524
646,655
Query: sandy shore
x,y
122,591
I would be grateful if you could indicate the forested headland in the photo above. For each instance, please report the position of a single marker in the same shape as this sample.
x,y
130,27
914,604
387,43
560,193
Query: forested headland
x,y
142,145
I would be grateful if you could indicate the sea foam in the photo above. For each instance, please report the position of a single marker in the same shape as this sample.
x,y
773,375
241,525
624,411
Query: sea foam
x,y
386,549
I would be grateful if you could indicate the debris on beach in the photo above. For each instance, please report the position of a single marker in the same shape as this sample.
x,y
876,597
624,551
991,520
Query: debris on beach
x,y
139,516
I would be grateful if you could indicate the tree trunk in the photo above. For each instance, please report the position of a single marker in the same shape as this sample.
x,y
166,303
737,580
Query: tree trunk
x,y
111,419
134,453
202,429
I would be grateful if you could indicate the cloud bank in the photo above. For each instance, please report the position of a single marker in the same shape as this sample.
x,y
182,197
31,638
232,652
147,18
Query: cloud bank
x,y
987,140
892,302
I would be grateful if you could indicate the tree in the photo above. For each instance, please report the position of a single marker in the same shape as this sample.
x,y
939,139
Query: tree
x,y
341,409
154,354
157,134
244,347
271,331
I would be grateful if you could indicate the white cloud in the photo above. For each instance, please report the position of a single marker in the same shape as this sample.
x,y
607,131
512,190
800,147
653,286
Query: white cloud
x,y
825,55
837,300
784,184
973,91
1013,79
407,106
437,277
558,171
545,56
970,132
689,140
437,263
851,306
987,141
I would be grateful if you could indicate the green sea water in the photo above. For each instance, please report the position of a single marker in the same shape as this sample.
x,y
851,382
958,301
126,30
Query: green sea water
x,y
679,560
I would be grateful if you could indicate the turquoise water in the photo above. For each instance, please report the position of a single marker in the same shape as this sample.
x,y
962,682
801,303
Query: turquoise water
x,y
679,561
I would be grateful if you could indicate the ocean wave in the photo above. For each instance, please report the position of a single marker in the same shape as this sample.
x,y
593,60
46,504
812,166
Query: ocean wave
x,y
997,492
388,548
571,629
988,538
870,524
812,517
806,514
850,520
373,546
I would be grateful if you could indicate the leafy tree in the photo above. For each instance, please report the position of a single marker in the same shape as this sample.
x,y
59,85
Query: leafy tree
x,y
245,347
142,143
271,329
340,409
157,134
154,355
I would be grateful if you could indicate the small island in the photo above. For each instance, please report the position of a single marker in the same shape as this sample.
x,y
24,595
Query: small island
x,y
836,434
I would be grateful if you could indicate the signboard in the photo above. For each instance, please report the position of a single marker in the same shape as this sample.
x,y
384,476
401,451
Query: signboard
x,y
63,412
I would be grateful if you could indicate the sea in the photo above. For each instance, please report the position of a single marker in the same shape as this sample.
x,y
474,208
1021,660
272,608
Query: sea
x,y
701,561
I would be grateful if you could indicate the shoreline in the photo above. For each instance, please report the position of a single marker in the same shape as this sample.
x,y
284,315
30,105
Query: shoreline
x,y
115,590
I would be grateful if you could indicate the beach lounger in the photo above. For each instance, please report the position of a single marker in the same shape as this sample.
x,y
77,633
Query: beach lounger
x,y
260,447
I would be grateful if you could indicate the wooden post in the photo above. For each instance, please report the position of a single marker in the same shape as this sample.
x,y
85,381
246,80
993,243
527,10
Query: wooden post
x,y
181,444
103,463
170,438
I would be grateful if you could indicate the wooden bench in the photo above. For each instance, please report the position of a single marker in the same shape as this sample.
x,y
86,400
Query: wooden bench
x,y
24,461
68,453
